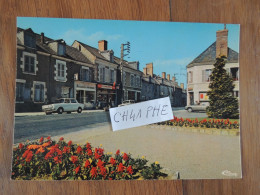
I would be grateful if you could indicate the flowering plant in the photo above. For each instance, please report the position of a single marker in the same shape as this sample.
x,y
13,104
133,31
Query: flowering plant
x,y
47,159
211,123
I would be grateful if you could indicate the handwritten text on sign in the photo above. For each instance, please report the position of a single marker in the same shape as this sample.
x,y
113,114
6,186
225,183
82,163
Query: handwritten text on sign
x,y
144,113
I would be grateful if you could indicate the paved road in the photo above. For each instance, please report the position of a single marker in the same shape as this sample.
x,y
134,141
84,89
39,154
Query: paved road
x,y
35,126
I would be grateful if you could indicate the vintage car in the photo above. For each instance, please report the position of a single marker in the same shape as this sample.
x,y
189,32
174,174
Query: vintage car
x,y
126,102
197,107
63,105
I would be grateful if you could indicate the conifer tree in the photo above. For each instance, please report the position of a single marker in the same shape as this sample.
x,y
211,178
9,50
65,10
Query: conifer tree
x,y
222,103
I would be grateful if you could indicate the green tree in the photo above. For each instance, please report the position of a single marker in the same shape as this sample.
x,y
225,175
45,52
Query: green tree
x,y
222,103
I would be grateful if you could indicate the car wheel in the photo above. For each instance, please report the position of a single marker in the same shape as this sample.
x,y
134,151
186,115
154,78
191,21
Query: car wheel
x,y
48,113
60,110
189,109
79,110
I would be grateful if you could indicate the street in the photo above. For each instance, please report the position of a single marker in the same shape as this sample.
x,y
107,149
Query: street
x,y
30,127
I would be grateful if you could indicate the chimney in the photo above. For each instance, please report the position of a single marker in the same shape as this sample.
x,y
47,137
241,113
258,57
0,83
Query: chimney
x,y
42,38
163,75
168,77
149,68
145,71
173,78
222,43
182,85
102,45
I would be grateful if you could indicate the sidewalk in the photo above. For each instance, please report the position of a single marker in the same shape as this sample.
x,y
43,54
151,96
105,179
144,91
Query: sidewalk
x,y
43,113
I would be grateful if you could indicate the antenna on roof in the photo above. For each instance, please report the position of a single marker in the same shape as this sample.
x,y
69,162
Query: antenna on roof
x,y
225,26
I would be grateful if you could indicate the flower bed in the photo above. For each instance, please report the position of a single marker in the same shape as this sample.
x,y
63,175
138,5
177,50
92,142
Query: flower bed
x,y
47,159
214,123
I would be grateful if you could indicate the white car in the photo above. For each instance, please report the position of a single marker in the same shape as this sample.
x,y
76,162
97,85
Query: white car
x,y
63,105
126,102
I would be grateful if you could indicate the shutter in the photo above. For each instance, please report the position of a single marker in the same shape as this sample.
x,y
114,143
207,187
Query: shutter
x,y
203,76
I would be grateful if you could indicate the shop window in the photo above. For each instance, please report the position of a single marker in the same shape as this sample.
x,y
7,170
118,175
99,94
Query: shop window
x,y
206,75
39,92
84,74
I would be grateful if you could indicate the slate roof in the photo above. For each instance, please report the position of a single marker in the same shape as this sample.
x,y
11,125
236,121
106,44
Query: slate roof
x,y
209,56
71,52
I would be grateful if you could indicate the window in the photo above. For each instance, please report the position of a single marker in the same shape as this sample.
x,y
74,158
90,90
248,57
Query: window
x,y
112,73
29,40
84,74
29,65
206,75
102,74
138,81
61,49
23,91
38,92
60,71
73,101
235,94
190,76
132,80
234,72
67,101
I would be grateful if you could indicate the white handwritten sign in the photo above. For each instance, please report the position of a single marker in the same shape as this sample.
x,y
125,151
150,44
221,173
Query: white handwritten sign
x,y
144,113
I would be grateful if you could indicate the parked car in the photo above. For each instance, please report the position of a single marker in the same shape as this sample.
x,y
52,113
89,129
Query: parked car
x,y
126,102
89,105
197,107
63,105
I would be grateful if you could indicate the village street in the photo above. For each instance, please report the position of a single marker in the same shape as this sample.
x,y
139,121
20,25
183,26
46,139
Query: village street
x,y
29,126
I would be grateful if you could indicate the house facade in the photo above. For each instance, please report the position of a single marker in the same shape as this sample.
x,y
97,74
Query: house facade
x,y
199,70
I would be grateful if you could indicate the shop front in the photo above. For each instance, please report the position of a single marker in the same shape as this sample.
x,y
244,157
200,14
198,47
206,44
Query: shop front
x,y
85,93
106,95
133,95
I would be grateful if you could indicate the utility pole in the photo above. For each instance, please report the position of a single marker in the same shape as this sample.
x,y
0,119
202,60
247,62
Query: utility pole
x,y
127,49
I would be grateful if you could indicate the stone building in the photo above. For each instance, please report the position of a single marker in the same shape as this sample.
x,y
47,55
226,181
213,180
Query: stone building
x,y
46,70
199,70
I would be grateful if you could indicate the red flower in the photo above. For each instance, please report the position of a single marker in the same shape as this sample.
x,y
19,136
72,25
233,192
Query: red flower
x,y
87,164
29,156
25,153
120,168
49,138
117,152
110,178
235,122
69,143
130,170
48,155
77,169
97,156
18,157
74,159
103,171
79,150
89,151
41,140
112,161
21,146
98,153
66,149
88,146
57,160
125,157
61,139
93,172
100,163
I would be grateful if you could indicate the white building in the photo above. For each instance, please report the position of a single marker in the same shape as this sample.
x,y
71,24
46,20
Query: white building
x,y
199,70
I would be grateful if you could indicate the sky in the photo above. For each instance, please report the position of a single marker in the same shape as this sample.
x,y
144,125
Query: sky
x,y
171,46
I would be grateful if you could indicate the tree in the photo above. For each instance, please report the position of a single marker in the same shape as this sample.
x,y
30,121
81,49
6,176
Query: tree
x,y
222,103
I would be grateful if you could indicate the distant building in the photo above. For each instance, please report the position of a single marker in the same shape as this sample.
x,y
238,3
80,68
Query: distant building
x,y
199,70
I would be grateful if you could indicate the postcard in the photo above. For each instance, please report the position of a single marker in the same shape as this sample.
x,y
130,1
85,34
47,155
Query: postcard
x,y
71,72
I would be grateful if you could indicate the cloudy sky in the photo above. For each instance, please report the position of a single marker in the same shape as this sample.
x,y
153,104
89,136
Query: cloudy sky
x,y
170,46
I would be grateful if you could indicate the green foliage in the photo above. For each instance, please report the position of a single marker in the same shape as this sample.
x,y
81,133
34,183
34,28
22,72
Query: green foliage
x,y
222,104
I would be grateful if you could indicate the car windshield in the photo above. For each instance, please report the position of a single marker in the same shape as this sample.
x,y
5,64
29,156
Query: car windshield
x,y
59,101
